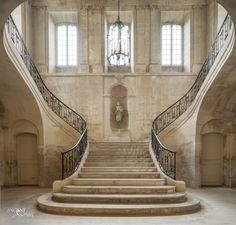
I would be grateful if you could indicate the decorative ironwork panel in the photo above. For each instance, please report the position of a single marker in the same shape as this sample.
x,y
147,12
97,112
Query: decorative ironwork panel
x,y
165,157
72,157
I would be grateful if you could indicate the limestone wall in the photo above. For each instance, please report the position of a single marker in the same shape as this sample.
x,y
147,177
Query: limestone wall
x,y
213,111
22,110
151,87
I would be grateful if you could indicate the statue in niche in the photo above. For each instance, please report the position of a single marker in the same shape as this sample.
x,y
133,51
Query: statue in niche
x,y
119,112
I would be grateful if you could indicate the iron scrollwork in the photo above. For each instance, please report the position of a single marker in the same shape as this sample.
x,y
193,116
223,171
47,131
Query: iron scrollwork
x,y
166,157
72,157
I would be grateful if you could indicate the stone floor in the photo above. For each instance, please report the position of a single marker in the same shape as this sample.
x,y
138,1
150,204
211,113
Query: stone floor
x,y
18,208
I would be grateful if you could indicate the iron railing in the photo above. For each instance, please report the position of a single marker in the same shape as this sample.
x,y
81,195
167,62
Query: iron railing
x,y
166,157
72,157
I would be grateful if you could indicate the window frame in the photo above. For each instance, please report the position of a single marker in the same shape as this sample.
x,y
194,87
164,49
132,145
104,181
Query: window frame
x,y
77,46
171,46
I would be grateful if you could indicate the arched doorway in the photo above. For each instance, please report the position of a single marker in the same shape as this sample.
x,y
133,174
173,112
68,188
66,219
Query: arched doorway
x,y
27,159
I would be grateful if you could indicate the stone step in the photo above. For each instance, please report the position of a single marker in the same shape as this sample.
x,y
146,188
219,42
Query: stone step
x,y
73,189
119,199
118,148
99,144
118,160
98,156
46,204
119,164
119,169
118,153
117,182
120,156
119,175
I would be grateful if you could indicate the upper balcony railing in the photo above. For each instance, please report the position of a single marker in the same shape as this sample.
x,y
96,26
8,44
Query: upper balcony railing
x,y
166,157
72,157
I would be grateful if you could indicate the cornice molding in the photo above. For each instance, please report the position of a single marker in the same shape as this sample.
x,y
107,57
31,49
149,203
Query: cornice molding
x,y
123,3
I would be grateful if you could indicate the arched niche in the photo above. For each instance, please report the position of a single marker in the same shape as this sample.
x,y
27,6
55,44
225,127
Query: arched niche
x,y
119,100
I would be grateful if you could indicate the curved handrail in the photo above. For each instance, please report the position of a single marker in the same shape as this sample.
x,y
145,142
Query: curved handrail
x,y
72,157
166,157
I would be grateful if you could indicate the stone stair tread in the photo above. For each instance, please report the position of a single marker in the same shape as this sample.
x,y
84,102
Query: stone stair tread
x,y
128,167
115,187
131,167
117,179
119,198
46,203
110,173
169,195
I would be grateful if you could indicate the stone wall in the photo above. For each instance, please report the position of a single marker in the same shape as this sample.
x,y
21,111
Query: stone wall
x,y
87,89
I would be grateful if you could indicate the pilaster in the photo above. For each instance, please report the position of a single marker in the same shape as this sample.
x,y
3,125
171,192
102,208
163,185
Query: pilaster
x,y
155,44
96,40
199,38
83,40
142,38
39,38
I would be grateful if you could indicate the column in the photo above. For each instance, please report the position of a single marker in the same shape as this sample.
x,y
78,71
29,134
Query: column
x,y
155,60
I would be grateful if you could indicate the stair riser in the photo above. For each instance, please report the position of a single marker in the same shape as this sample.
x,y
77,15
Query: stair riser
x,y
45,204
118,154
120,161
117,190
114,149
109,159
119,212
119,175
123,164
118,182
133,147
110,200
125,146
100,169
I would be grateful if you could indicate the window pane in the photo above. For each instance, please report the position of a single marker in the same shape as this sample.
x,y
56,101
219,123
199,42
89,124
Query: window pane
x,y
61,45
171,45
72,46
66,45
166,45
176,45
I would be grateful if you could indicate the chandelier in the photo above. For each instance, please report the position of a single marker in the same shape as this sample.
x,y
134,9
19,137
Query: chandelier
x,y
118,42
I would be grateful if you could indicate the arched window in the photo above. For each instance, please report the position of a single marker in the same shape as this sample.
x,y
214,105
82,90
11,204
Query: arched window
x,y
67,45
172,45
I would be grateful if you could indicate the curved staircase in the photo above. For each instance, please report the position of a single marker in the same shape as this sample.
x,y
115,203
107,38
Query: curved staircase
x,y
118,179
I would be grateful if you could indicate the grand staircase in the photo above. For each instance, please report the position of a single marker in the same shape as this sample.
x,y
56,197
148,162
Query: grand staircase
x,y
118,179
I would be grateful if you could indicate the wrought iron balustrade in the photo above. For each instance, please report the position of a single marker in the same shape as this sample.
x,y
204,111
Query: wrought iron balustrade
x,y
166,157
72,157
